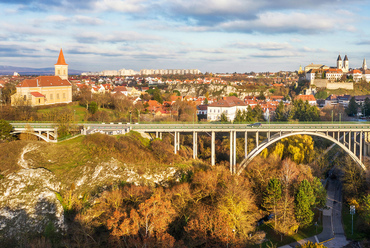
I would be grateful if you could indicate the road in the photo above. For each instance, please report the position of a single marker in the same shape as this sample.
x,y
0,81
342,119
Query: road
x,y
332,235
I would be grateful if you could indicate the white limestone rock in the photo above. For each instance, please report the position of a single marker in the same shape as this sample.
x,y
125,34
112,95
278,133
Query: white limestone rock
x,y
28,203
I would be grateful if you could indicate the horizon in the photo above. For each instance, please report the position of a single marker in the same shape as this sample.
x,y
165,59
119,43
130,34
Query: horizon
x,y
209,35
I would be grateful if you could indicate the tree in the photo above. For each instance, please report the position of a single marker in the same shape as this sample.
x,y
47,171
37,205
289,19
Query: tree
x,y
366,107
304,199
5,130
280,113
319,192
93,107
352,108
239,116
261,96
223,117
321,94
366,208
272,196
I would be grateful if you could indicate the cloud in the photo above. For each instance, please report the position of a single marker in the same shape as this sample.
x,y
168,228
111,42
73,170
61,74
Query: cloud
x,y
113,37
78,19
277,54
262,45
15,50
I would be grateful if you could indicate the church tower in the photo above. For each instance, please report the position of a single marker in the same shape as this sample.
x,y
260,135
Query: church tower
x,y
61,67
346,64
339,62
364,66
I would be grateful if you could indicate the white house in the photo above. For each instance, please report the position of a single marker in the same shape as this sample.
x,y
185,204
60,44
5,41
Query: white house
x,y
228,105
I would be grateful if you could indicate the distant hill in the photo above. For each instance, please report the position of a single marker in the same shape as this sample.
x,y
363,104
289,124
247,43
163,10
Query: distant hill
x,y
9,70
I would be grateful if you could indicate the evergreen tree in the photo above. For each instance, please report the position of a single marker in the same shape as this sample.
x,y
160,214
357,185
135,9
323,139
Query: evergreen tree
x,y
319,192
304,199
366,107
223,117
249,114
239,116
5,130
352,108
272,197
279,112
258,113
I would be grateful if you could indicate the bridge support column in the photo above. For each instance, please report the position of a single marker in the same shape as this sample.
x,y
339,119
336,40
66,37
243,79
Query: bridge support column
x,y
338,135
350,140
246,145
213,155
195,144
257,139
175,142
361,146
234,155
231,151
48,135
156,135
178,141
160,135
354,143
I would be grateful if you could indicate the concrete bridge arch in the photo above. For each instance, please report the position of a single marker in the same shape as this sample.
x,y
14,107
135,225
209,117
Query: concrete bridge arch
x,y
38,135
278,137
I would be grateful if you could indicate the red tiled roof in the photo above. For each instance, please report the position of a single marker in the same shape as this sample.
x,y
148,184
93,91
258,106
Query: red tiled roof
x,y
228,102
37,94
61,60
306,97
44,81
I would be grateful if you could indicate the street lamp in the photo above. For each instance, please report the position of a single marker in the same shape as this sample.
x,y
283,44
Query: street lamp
x,y
352,211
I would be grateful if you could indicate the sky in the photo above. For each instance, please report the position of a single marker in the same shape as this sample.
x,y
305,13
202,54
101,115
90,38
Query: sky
x,y
216,36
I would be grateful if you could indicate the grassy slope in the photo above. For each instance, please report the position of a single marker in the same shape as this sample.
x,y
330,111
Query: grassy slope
x,y
66,159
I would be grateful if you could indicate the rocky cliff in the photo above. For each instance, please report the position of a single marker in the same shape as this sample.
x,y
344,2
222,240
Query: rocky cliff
x,y
28,194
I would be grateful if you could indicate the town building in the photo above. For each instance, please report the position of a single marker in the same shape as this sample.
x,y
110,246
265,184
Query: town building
x,y
228,105
45,90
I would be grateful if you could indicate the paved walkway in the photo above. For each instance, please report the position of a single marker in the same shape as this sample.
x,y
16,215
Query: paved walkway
x,y
333,233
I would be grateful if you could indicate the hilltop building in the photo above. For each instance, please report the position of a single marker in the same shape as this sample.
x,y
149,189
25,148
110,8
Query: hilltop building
x,y
45,90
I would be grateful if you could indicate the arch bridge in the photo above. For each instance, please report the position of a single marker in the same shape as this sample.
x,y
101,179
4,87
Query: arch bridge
x,y
45,131
353,137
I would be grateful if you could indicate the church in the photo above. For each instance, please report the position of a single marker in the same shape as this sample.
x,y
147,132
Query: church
x,y
45,90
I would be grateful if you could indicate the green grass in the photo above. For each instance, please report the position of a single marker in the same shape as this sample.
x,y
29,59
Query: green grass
x,y
275,238
347,224
80,112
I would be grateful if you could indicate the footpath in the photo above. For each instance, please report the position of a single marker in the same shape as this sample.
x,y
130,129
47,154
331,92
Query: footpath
x,y
332,235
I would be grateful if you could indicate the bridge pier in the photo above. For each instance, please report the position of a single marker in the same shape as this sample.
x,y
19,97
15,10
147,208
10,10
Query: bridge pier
x,y
175,142
213,155
231,151
195,144
361,146
245,144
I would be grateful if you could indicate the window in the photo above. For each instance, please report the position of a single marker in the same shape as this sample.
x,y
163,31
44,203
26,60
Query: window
x,y
64,95
51,96
39,100
57,95
58,72
25,97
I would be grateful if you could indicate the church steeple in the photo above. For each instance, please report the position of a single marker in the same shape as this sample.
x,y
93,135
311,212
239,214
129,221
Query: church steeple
x,y
61,67
364,66
339,62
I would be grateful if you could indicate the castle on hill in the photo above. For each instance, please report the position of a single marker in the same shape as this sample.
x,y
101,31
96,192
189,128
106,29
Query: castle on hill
x,y
340,73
